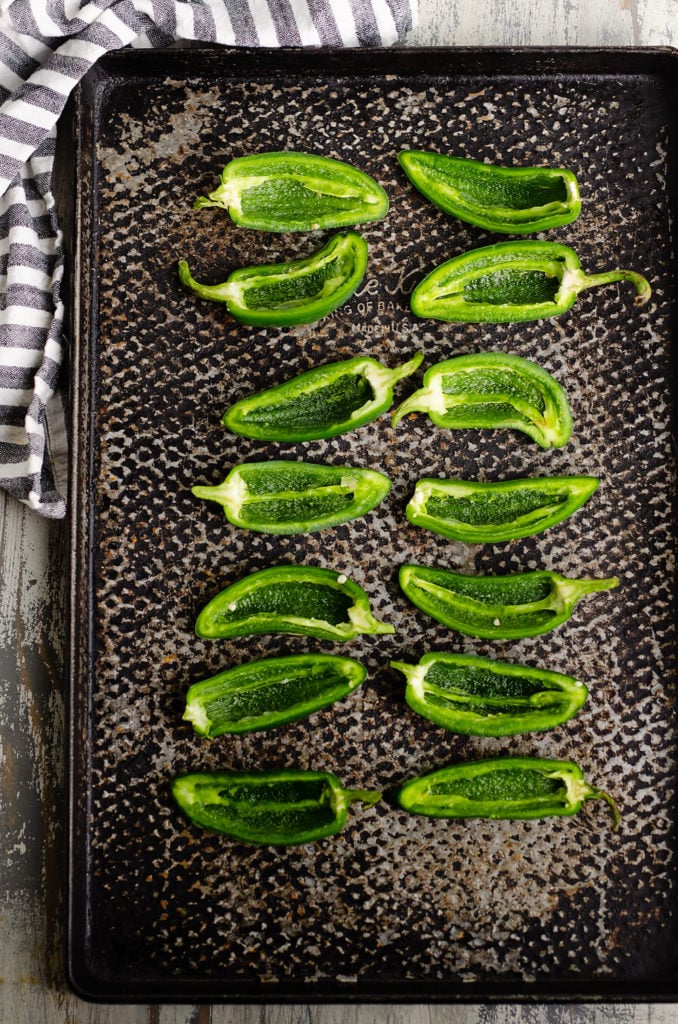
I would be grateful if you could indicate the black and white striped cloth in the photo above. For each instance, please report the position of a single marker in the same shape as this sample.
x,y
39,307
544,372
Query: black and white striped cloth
x,y
46,46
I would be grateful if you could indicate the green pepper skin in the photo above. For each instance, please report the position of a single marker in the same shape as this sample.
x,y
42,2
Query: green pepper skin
x,y
284,807
482,697
287,497
490,513
508,200
296,599
497,607
289,191
270,692
300,291
493,390
512,282
323,402
512,788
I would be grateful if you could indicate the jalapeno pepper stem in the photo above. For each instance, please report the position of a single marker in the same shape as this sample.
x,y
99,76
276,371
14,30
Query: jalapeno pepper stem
x,y
362,619
391,377
578,588
223,292
233,490
365,796
340,799
600,794
382,379
592,586
576,281
579,791
430,397
226,195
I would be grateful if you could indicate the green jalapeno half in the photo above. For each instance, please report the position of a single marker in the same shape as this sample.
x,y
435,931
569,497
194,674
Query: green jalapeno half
x,y
289,191
489,513
511,200
300,291
493,390
268,808
287,497
269,692
504,787
512,282
323,402
296,599
497,607
482,697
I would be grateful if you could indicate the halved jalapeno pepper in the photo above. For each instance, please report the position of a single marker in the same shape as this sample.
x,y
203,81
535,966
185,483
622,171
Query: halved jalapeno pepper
x,y
323,402
511,200
297,599
497,607
287,497
290,191
300,291
482,697
512,282
503,787
273,807
488,513
270,692
493,390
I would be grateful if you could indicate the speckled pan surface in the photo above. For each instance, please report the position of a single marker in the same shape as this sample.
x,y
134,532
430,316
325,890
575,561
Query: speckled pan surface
x,y
395,907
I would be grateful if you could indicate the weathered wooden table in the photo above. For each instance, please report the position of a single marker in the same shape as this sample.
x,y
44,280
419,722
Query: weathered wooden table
x,y
32,591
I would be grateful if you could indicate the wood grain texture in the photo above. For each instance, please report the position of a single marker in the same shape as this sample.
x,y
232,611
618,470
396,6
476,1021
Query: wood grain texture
x,y
546,23
32,574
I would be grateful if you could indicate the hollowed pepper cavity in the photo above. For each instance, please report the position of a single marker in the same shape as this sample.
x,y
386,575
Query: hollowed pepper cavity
x,y
300,291
489,513
296,599
493,390
512,282
268,808
287,497
511,200
497,607
503,787
289,191
323,402
481,697
269,692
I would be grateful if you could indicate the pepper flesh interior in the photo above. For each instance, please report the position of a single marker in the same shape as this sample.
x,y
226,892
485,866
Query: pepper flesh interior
x,y
271,807
269,692
500,785
479,696
497,509
509,607
303,600
288,497
509,286
337,400
493,390
503,199
322,402
292,191
479,512
511,282
293,599
503,787
298,292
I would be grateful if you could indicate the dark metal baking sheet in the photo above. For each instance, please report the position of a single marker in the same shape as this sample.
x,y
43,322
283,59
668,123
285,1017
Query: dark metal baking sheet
x,y
396,907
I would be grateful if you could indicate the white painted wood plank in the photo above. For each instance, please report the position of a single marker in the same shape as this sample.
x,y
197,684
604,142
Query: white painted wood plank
x,y
546,23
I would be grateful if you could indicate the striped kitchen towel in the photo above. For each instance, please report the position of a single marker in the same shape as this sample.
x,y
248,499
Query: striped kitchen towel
x,y
46,46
